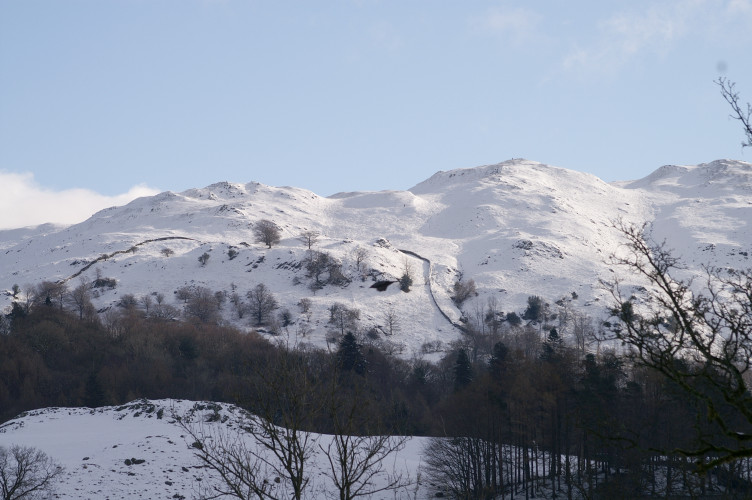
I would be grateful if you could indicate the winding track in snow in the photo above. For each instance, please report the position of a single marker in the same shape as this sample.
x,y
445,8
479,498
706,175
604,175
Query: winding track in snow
x,y
427,273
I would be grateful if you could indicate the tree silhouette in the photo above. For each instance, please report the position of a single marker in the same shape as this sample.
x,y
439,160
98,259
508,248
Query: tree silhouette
x,y
463,371
349,356
266,232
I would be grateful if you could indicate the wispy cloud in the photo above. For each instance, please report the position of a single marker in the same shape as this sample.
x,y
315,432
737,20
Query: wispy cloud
x,y
743,7
516,24
625,35
385,36
629,35
23,202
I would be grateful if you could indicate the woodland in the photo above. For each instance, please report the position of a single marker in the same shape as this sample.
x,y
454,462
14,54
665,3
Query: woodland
x,y
516,411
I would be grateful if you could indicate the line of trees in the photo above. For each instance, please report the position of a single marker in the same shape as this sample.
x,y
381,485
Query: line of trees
x,y
528,416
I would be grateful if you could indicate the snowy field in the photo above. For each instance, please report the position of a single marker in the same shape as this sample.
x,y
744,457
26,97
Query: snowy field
x,y
139,450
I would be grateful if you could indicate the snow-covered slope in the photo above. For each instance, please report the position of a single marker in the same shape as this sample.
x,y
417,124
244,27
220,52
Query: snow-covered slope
x,y
97,448
518,228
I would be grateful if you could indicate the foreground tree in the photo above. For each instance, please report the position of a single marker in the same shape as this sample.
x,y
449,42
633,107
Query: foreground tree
x,y
728,91
699,338
241,473
26,473
457,465
359,446
287,400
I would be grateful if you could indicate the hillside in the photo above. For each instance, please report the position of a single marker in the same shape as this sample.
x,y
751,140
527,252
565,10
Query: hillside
x,y
517,229
97,448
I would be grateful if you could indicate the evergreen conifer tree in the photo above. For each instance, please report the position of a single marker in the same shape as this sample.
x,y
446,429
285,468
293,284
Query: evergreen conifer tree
x,y
349,356
463,371
498,360
94,393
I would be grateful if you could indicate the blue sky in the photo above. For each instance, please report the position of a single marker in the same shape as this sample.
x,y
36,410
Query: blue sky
x,y
103,100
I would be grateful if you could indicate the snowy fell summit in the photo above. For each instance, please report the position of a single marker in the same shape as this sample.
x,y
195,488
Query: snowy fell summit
x,y
516,229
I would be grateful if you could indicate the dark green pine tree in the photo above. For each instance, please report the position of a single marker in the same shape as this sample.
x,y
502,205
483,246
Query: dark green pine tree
x,y
16,311
406,281
349,356
94,394
463,371
497,363
534,309
552,346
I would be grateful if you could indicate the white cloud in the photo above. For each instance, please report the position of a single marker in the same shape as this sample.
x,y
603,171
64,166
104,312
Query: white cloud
x,y
656,31
518,24
23,202
626,35
385,36
743,7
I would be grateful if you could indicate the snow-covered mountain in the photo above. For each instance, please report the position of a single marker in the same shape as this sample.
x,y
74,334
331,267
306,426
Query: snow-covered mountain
x,y
518,228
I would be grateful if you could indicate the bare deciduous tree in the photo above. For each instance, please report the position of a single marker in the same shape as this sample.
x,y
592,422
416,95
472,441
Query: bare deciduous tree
x,y
699,338
289,401
128,302
163,312
391,321
28,297
49,292
26,473
261,304
266,232
184,293
493,314
360,255
582,329
241,473
357,459
463,290
728,91
202,305
306,307
344,318
309,238
80,298
238,305
457,465
325,270
146,302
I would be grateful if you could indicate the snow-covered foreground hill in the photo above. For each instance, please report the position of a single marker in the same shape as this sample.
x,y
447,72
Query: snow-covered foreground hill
x,y
517,229
138,450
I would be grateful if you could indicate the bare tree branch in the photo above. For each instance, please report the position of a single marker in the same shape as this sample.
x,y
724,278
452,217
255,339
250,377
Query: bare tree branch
x,y
699,338
26,473
728,91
